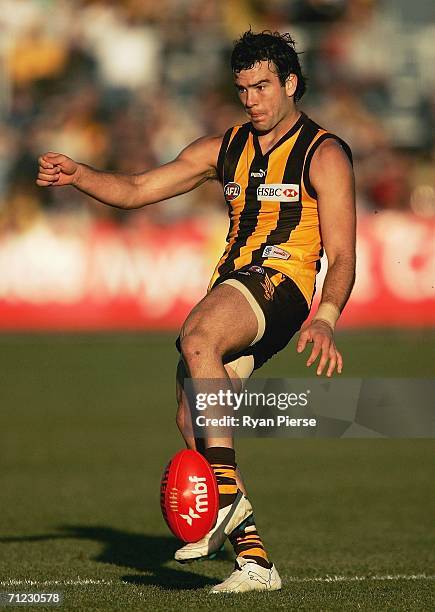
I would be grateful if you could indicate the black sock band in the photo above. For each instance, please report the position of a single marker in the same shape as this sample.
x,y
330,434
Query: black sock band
x,y
220,454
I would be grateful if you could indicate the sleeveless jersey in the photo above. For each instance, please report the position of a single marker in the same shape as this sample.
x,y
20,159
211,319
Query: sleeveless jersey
x,y
272,205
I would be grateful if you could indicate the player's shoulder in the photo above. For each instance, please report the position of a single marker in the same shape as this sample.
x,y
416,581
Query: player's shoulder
x,y
203,150
234,129
208,141
328,155
332,150
235,133
332,146
326,144
212,144
329,161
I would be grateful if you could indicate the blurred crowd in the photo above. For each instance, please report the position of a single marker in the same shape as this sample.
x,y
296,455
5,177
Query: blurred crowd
x,y
125,85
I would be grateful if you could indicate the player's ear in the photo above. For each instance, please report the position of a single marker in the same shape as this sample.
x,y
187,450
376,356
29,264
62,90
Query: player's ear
x,y
291,85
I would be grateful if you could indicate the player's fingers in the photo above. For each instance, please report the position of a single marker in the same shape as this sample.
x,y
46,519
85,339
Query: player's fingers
x,y
332,363
51,154
315,352
302,342
48,171
43,183
339,362
325,346
44,163
55,158
48,177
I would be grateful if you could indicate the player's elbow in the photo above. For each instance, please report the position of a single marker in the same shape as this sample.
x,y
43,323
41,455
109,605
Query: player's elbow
x,y
138,202
138,194
132,201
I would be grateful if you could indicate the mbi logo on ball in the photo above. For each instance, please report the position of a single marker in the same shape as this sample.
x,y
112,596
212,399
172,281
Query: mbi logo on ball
x,y
201,499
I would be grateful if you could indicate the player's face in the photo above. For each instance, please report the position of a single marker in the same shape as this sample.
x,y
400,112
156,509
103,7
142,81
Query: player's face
x,y
265,100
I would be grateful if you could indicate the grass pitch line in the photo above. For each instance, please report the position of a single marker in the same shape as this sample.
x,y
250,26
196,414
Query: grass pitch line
x,y
360,578
93,581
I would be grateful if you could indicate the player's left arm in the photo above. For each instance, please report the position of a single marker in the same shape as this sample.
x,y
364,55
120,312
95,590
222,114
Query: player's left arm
x,y
332,177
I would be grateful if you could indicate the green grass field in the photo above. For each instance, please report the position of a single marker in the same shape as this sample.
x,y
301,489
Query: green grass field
x,y
87,425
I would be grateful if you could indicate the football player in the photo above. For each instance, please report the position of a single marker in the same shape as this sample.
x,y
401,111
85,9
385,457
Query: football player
x,y
289,187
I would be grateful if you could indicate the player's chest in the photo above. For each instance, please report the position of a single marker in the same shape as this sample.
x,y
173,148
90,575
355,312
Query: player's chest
x,y
263,178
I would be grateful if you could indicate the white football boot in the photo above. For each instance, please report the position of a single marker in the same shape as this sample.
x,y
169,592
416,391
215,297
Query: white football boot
x,y
249,576
228,519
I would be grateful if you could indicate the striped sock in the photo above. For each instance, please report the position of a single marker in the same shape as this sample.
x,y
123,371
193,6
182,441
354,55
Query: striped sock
x,y
223,462
247,543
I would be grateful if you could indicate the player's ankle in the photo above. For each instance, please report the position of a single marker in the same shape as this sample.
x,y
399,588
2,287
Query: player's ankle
x,y
223,462
259,561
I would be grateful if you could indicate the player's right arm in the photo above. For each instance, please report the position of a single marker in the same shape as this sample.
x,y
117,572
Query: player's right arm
x,y
195,165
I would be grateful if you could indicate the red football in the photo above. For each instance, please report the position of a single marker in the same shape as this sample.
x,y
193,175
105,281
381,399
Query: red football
x,y
189,496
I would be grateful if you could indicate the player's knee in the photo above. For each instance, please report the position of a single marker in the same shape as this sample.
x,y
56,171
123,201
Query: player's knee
x,y
197,346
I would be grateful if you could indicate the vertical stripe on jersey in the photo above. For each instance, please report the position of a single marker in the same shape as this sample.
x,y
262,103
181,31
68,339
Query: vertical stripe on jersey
x,y
290,212
248,216
222,153
234,153
237,165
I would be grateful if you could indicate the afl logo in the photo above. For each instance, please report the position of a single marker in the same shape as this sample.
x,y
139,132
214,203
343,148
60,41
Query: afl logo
x,y
232,191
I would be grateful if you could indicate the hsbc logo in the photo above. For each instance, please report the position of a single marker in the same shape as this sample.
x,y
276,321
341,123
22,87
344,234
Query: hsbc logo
x,y
232,191
278,192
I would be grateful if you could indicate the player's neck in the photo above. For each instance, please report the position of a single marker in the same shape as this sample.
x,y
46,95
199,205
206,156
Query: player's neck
x,y
268,139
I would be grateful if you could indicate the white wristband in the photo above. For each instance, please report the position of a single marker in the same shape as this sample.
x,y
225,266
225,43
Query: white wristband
x,y
327,312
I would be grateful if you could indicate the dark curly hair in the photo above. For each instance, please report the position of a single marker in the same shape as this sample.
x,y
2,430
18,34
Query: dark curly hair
x,y
270,47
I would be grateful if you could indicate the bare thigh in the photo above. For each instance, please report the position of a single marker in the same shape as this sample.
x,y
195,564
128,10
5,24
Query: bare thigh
x,y
224,320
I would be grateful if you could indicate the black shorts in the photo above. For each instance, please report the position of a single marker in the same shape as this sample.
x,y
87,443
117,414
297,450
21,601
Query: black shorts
x,y
280,305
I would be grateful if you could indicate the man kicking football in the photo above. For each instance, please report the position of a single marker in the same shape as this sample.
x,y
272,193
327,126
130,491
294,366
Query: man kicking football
x,y
289,188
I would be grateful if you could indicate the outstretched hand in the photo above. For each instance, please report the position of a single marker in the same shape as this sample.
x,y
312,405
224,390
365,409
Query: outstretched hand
x,y
321,335
57,170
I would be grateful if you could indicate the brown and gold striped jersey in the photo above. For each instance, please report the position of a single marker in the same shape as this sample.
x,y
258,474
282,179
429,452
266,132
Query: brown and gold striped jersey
x,y
272,205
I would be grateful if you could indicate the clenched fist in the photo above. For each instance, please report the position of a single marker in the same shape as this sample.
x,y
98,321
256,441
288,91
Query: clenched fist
x,y
56,170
